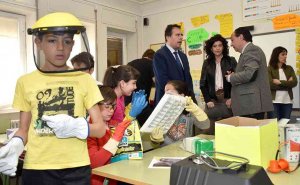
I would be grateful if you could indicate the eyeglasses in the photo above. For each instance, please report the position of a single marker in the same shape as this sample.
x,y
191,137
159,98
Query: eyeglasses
x,y
109,106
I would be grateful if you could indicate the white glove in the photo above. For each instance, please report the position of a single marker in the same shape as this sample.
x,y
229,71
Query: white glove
x,y
9,156
65,126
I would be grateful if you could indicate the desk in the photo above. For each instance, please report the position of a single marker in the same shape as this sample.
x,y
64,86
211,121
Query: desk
x,y
137,171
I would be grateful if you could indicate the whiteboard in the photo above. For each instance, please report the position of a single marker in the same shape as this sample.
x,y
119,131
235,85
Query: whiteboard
x,y
267,42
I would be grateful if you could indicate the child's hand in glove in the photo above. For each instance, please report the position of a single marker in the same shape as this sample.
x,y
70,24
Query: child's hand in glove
x,y
138,103
191,107
113,142
9,156
157,135
65,126
120,129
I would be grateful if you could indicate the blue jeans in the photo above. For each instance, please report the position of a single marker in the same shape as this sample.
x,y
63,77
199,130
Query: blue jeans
x,y
281,111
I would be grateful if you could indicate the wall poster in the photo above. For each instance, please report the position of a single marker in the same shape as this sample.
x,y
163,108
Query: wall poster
x,y
253,9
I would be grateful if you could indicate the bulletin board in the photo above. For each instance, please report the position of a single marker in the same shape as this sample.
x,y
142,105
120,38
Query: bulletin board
x,y
267,42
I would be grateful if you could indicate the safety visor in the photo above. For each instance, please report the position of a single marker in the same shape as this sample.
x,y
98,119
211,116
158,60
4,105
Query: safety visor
x,y
81,44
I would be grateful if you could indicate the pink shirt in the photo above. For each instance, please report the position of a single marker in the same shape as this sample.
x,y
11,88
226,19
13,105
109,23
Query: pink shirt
x,y
120,110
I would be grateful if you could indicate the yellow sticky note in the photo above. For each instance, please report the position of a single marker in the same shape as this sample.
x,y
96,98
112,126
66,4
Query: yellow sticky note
x,y
199,20
181,24
226,24
286,21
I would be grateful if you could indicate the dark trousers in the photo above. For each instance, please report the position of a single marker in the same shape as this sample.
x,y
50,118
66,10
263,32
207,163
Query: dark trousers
x,y
281,111
69,176
218,112
260,115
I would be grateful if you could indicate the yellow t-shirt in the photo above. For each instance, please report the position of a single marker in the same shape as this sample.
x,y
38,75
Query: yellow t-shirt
x,y
50,94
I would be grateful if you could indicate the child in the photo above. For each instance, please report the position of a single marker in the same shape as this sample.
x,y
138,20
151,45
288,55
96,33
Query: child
x,y
183,126
101,150
123,80
56,145
84,60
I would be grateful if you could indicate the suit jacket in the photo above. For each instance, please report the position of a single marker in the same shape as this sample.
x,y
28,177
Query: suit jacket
x,y
145,81
208,81
250,92
165,69
285,85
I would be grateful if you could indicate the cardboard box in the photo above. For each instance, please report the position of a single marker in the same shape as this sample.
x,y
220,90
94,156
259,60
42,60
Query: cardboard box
x,y
256,140
196,145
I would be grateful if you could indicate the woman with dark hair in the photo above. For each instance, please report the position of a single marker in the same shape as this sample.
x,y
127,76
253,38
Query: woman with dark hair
x,y
214,87
282,79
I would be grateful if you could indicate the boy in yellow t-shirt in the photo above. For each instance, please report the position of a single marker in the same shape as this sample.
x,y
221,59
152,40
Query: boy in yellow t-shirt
x,y
53,101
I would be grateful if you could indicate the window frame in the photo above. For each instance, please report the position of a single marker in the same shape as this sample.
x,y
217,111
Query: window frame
x,y
21,19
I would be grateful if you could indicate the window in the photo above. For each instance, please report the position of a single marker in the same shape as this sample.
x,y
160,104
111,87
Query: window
x,y
12,55
114,51
116,48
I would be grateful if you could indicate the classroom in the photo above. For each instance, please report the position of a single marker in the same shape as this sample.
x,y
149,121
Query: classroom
x,y
119,32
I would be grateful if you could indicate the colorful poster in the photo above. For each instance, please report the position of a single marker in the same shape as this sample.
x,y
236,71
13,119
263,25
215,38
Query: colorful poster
x,y
254,9
226,24
196,36
286,21
199,20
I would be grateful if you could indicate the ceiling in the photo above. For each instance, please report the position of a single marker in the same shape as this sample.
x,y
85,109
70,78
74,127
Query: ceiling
x,y
142,1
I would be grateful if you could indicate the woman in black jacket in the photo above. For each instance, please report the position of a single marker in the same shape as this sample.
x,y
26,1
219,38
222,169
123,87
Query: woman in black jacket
x,y
214,87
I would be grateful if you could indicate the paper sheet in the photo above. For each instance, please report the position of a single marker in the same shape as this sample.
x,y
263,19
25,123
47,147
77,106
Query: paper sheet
x,y
164,162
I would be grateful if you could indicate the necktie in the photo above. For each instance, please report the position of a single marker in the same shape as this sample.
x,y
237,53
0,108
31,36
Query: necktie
x,y
177,59
179,63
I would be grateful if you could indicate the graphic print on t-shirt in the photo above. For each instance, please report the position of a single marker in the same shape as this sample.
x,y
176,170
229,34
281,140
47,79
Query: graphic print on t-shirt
x,y
53,101
178,130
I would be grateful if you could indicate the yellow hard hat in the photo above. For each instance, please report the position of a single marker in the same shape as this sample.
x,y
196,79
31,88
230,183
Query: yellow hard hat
x,y
57,22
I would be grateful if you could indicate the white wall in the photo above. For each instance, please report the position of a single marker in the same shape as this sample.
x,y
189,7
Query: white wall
x,y
182,11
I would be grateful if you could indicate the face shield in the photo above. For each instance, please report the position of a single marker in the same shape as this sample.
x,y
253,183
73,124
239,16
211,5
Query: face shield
x,y
59,24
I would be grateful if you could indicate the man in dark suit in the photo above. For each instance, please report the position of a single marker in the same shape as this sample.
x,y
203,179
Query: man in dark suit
x,y
145,67
250,92
144,82
170,63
